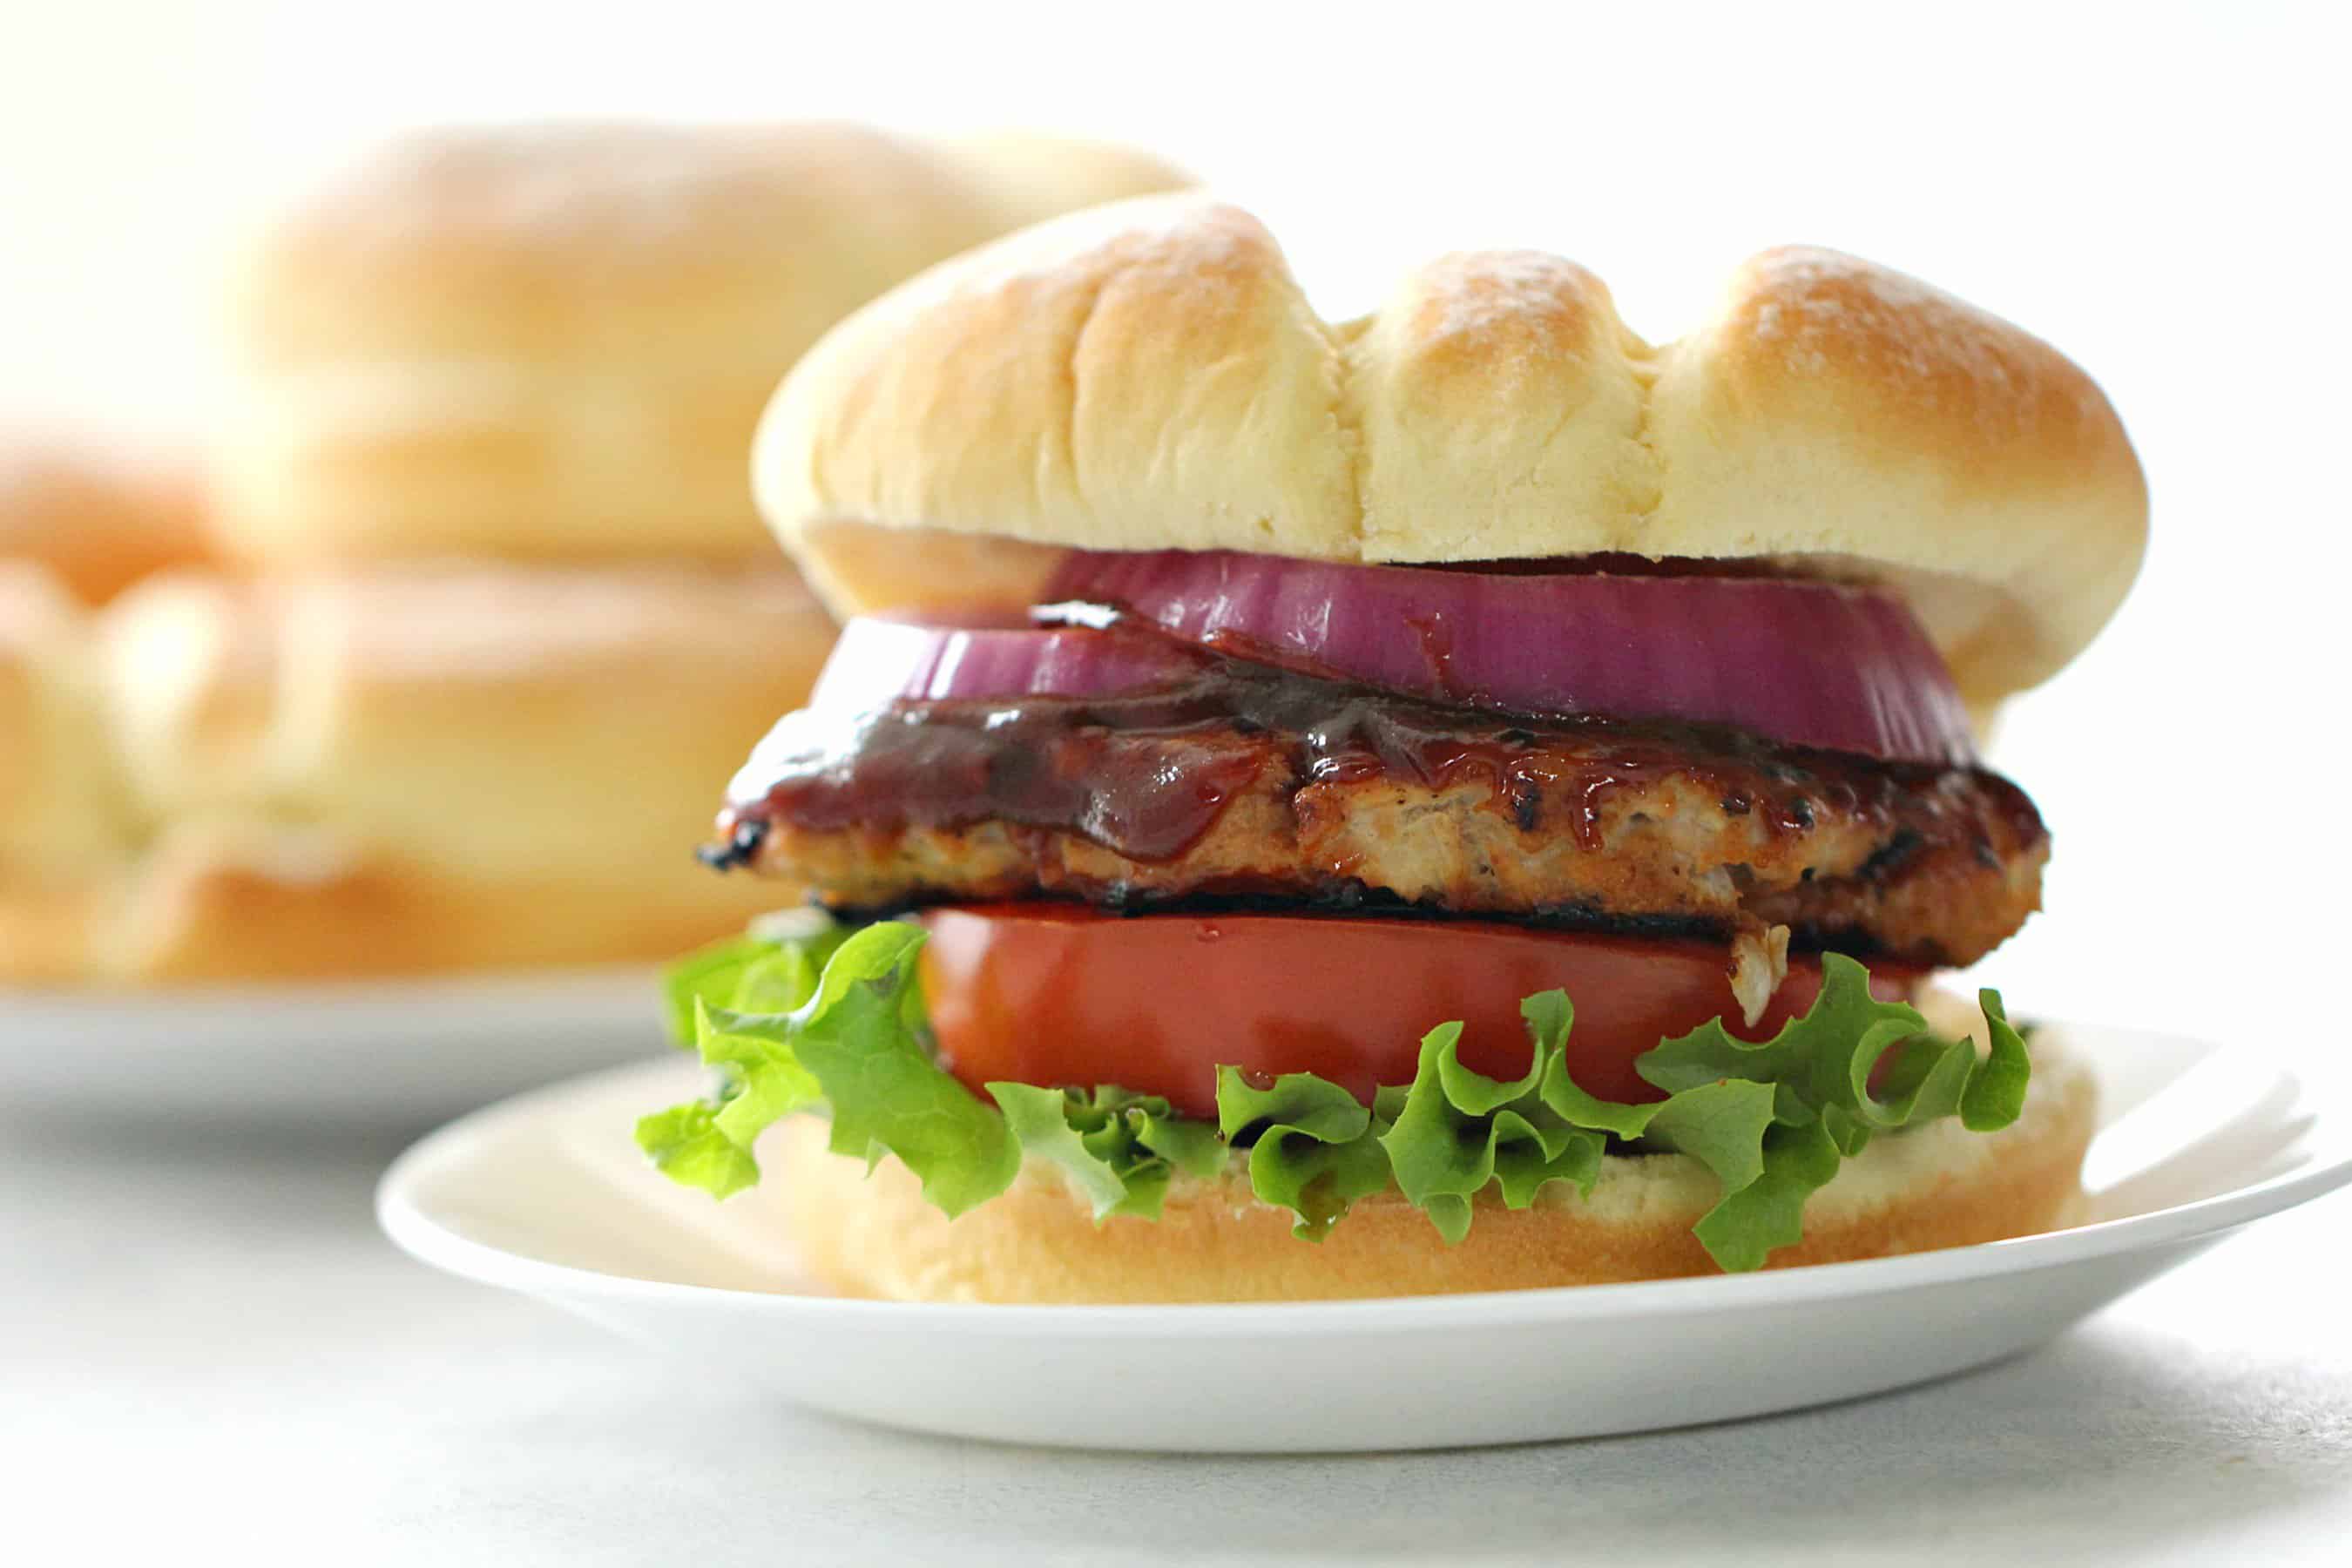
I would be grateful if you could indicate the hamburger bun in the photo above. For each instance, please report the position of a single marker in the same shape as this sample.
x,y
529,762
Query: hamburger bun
x,y
554,342
246,899
100,524
1034,175
1932,1187
1150,376
63,832
403,771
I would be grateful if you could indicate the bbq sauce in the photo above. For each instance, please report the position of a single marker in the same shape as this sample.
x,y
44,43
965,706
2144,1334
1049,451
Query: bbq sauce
x,y
1148,773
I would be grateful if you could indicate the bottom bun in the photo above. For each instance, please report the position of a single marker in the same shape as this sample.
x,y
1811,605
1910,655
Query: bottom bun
x,y
44,929
275,905
222,902
1937,1186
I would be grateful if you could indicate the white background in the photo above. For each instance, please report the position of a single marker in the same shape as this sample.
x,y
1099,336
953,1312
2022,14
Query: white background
x,y
2158,190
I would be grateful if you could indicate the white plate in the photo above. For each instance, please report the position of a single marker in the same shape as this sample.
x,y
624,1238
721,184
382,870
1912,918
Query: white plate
x,y
546,1195
384,1050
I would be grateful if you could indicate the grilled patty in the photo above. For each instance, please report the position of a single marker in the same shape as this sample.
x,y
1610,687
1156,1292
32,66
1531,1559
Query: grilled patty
x,y
1257,786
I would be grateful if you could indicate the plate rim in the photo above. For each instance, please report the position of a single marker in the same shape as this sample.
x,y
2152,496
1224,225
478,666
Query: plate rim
x,y
428,1240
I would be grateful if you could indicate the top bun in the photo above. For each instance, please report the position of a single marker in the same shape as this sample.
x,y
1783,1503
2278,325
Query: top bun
x,y
1150,376
1034,175
554,342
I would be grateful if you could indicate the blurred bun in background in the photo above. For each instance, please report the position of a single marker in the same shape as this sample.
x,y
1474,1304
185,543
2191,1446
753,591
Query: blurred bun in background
x,y
64,833
100,521
1034,175
554,342
496,611
430,768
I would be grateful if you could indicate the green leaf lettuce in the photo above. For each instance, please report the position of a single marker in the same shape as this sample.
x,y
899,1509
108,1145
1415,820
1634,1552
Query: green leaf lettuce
x,y
835,1021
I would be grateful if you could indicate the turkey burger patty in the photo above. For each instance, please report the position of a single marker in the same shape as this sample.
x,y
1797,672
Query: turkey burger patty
x,y
1238,781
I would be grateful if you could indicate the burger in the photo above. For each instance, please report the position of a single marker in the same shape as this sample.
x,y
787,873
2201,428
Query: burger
x,y
1460,799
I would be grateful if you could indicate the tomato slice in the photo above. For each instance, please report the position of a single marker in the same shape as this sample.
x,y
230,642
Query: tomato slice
x,y
1062,995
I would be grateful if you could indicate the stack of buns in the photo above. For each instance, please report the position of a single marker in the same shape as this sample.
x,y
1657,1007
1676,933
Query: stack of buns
x,y
497,606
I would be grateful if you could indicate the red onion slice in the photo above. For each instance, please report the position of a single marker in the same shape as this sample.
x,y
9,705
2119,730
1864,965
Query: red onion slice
x,y
1807,663
888,658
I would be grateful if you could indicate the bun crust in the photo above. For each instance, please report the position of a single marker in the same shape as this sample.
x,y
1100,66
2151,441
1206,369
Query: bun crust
x,y
405,772
1148,375
555,341
99,526
1939,1186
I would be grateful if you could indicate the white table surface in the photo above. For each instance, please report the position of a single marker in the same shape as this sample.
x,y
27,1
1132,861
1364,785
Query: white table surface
x,y
205,1348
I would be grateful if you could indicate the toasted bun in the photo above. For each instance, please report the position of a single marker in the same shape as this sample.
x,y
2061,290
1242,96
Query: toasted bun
x,y
555,341
100,524
1150,376
1937,1186
425,769
63,831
